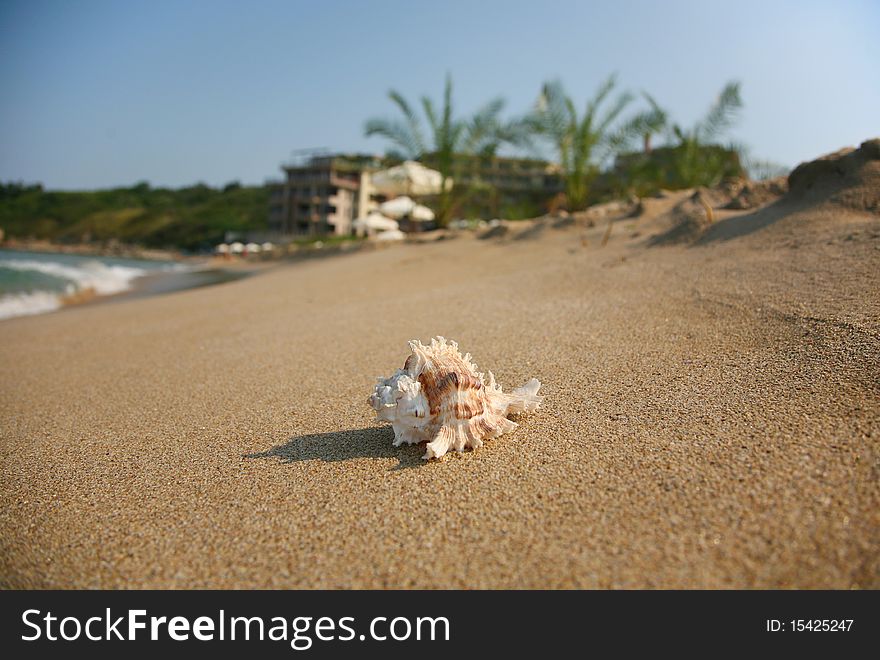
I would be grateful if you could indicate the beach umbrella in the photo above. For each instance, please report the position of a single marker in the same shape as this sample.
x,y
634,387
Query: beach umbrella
x,y
405,206
376,222
222,249
268,247
390,235
398,207
252,247
420,212
409,178
237,247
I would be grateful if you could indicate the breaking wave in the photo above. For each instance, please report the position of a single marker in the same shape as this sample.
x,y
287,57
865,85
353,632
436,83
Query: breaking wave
x,y
37,283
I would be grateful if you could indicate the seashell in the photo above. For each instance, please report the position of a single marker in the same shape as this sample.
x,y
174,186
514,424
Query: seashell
x,y
440,398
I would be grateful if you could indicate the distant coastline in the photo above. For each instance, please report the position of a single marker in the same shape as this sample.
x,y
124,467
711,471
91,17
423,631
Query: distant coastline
x,y
110,249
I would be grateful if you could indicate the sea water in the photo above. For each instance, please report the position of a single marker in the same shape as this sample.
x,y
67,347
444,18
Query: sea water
x,y
38,282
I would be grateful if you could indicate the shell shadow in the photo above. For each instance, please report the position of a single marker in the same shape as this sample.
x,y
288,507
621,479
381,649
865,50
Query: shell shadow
x,y
374,442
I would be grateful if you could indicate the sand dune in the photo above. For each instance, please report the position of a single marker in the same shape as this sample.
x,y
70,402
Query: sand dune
x,y
711,419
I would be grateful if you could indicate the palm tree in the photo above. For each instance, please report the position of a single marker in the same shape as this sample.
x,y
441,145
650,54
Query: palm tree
x,y
583,143
696,162
449,137
656,120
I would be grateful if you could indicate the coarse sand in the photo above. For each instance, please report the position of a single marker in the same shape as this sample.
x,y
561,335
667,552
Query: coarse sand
x,y
711,418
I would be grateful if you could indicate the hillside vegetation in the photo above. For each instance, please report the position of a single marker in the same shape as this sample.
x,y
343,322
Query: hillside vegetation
x,y
188,218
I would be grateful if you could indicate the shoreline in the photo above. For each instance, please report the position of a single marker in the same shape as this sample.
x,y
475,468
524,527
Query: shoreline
x,y
158,284
199,273
217,270
207,270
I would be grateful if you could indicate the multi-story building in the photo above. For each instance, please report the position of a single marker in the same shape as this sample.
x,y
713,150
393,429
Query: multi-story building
x,y
500,187
320,195
324,193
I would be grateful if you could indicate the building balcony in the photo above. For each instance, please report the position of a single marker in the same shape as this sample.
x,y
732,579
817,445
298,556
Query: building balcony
x,y
348,183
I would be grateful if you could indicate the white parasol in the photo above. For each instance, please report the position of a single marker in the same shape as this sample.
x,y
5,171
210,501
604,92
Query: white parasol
x,y
409,178
405,206
375,222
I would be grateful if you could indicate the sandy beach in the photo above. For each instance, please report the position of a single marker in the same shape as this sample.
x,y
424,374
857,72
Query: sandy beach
x,y
711,419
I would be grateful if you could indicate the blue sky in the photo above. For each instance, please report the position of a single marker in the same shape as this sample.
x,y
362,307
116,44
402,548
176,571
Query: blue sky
x,y
101,93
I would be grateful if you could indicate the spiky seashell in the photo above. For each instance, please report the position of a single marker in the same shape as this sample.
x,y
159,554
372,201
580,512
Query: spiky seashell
x,y
440,398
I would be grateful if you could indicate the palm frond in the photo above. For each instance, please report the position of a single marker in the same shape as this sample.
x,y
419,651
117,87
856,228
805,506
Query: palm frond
x,y
447,105
646,122
396,156
620,103
396,132
411,118
655,107
722,115
488,114
518,133
551,116
456,131
679,133
430,113
656,120
483,131
571,114
599,97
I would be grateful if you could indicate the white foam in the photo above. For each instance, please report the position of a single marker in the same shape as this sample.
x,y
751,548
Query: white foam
x,y
102,278
23,304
